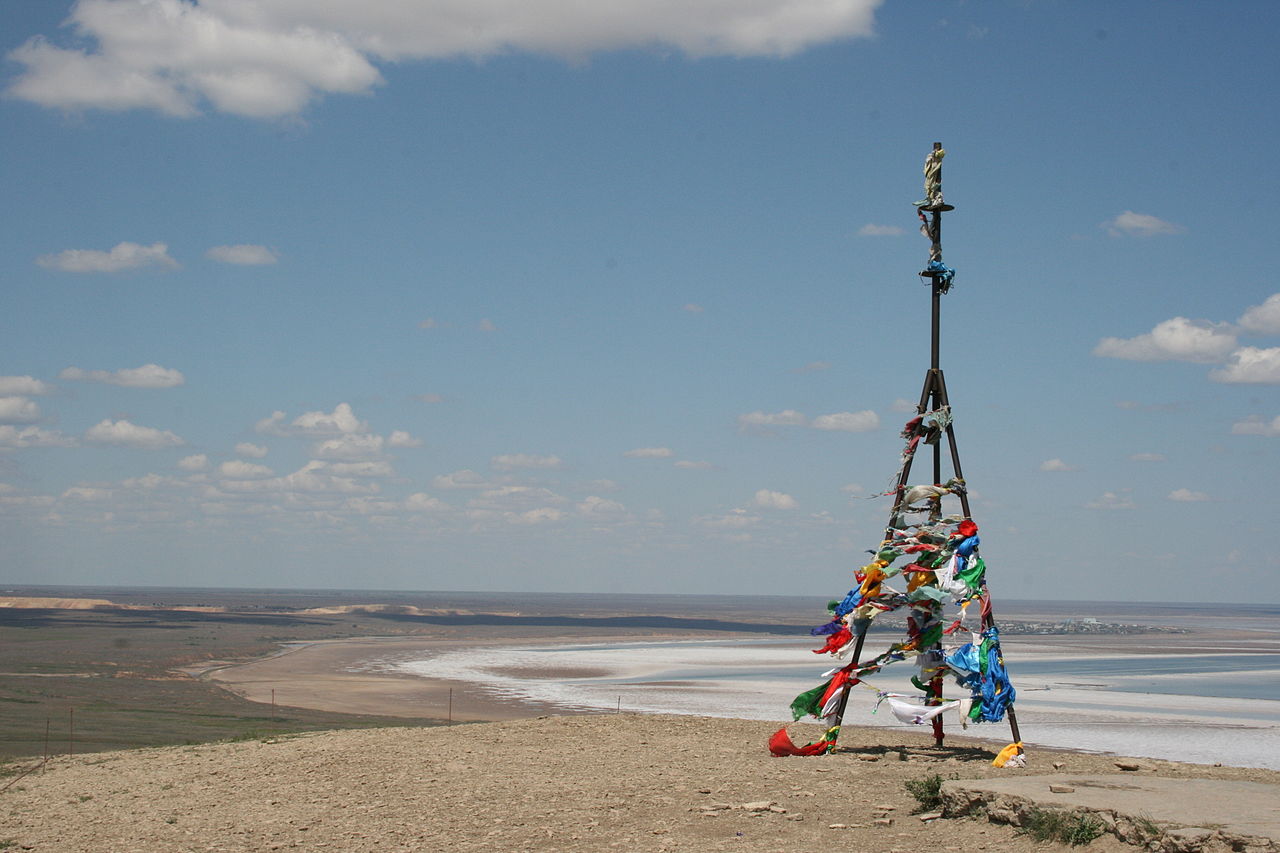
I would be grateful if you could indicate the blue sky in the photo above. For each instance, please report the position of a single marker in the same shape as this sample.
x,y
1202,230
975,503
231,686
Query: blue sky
x,y
523,296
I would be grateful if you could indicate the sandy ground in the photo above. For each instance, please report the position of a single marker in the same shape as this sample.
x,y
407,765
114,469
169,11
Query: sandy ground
x,y
558,783
318,675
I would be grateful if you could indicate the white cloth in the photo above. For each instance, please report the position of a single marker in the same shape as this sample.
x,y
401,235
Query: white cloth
x,y
914,714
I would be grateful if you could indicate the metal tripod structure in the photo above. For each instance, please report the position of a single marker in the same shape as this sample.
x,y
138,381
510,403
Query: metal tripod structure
x,y
933,397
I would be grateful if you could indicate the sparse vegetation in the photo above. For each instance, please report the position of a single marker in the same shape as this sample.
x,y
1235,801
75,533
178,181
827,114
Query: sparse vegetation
x,y
1147,828
55,663
1074,828
927,791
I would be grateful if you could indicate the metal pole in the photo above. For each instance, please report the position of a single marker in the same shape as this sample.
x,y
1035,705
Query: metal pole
x,y
935,365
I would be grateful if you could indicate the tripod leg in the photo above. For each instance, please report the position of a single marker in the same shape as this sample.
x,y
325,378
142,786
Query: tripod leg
x,y
844,696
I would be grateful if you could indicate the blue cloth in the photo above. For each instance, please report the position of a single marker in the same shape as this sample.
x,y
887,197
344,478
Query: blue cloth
x,y
981,669
946,273
851,601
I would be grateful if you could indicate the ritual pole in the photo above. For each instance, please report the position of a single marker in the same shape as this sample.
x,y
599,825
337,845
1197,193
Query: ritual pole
x,y
932,392
933,397
939,283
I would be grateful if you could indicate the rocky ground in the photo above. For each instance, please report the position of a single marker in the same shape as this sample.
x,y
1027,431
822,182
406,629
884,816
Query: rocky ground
x,y
563,783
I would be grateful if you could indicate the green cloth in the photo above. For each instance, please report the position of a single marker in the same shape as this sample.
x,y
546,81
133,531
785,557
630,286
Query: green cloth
x,y
930,592
809,703
972,574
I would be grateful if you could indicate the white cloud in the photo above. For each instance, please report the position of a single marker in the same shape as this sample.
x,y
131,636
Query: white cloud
x,y
146,376
341,420
18,410
1147,457
1056,465
253,451
694,465
349,446
1178,339
1256,425
541,515
1111,500
400,438
13,438
379,468
1130,224
270,58
1263,319
121,433
464,479
429,323
428,398
735,519
24,386
195,462
147,482
124,256
86,493
510,461
171,56
774,500
312,478
903,405
486,325
789,417
423,502
650,453
864,421
693,308
873,230
394,30
1187,496
242,254
597,506
515,498
237,469
1250,365
313,424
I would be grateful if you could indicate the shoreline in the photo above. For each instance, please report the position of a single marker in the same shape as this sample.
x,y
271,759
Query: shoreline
x,y
319,675
336,676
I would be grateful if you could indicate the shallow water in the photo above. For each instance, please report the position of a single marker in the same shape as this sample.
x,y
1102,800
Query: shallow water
x,y
1200,708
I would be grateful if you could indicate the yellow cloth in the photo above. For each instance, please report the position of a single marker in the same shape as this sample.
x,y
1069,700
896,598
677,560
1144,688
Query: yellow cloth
x,y
1005,754
919,579
871,584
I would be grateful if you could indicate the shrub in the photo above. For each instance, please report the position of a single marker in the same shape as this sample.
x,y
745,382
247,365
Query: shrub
x,y
1074,828
927,791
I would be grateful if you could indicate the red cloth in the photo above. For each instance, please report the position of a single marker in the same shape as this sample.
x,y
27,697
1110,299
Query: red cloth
x,y
835,641
780,745
839,681
967,528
